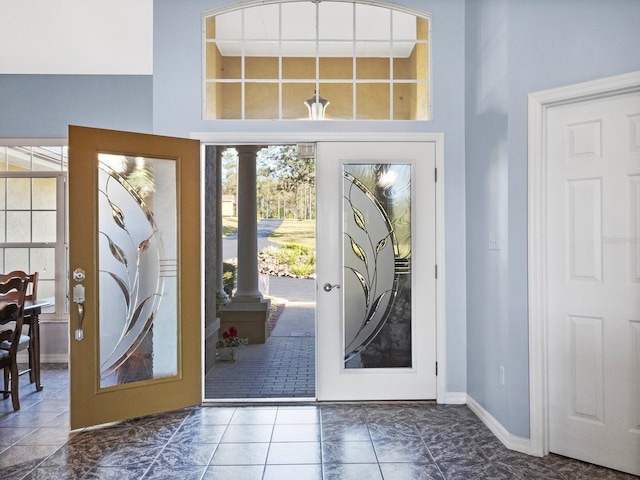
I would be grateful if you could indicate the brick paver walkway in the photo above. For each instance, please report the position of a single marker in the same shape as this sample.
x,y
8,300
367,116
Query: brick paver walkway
x,y
284,366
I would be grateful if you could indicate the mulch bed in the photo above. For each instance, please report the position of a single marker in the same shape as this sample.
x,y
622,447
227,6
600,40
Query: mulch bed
x,y
277,306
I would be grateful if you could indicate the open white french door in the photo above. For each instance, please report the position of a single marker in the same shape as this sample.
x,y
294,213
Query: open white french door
x,y
134,256
376,269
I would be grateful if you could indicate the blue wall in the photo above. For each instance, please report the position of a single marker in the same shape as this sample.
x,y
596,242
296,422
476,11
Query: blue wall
x,y
513,48
44,105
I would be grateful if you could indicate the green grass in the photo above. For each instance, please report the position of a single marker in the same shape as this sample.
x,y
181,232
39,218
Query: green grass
x,y
229,226
300,232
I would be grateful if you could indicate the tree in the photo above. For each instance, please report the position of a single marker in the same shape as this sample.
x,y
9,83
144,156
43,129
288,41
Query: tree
x,y
294,177
230,172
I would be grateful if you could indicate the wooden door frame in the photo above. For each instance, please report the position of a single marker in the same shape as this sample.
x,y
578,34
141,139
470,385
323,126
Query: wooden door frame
x,y
274,138
540,103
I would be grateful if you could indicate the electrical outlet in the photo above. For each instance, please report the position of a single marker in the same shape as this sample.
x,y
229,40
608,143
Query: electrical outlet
x,y
494,241
502,376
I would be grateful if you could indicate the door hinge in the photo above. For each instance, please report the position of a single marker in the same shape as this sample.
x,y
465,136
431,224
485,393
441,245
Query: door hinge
x,y
435,175
436,369
436,271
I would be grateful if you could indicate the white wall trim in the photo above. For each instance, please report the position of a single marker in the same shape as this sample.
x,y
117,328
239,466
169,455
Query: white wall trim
x,y
54,358
259,138
33,142
271,138
512,442
539,105
441,282
453,398
23,357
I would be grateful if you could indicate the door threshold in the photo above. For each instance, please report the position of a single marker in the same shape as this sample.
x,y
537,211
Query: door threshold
x,y
278,401
308,401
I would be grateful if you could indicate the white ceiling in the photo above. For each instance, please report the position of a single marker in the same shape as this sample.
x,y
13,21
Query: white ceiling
x,y
295,24
76,37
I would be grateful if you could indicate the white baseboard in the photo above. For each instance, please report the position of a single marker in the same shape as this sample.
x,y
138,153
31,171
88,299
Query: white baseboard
x,y
45,358
453,398
55,358
512,442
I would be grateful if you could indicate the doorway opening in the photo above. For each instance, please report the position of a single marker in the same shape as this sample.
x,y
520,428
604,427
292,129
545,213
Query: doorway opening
x,y
281,366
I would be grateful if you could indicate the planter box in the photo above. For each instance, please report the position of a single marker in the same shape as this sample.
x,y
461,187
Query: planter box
x,y
228,354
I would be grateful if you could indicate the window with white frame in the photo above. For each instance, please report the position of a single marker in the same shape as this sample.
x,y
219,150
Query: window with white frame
x,y
311,60
32,219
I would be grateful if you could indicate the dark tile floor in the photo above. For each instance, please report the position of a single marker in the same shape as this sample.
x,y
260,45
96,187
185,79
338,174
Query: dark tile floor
x,y
353,441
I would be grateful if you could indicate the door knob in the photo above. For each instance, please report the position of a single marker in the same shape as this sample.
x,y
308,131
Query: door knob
x,y
328,287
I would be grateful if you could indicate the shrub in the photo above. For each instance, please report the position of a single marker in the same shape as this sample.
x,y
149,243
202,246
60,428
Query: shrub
x,y
300,260
228,277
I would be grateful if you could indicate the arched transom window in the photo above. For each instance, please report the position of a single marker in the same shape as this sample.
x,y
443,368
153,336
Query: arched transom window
x,y
301,60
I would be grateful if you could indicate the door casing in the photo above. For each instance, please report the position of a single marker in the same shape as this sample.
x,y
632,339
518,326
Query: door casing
x,y
275,138
539,105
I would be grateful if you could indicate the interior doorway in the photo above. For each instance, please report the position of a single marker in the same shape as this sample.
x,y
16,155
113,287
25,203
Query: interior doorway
x,y
282,367
583,204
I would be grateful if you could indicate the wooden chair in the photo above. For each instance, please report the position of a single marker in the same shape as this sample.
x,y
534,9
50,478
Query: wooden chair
x,y
31,294
12,294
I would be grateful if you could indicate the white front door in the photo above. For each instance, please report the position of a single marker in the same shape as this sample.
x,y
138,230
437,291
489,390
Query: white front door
x,y
593,265
376,328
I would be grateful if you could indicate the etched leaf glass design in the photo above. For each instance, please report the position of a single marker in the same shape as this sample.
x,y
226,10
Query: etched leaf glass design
x,y
377,265
137,269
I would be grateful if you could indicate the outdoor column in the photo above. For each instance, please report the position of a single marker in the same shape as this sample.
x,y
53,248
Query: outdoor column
x,y
248,311
247,276
212,250
218,220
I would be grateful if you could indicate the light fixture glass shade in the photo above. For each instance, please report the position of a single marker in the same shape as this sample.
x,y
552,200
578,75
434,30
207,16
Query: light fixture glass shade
x,y
317,106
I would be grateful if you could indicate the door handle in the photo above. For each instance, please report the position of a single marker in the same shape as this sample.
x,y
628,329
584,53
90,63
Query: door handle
x,y
79,332
327,287
78,299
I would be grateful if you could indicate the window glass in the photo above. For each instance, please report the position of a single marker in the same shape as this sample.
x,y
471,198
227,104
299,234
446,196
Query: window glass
x,y
373,23
18,193
32,181
298,21
259,60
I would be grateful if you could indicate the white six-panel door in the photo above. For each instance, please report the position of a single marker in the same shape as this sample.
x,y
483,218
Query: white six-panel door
x,y
593,271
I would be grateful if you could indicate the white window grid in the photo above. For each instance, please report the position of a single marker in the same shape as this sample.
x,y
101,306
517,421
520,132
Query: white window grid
x,y
318,43
31,163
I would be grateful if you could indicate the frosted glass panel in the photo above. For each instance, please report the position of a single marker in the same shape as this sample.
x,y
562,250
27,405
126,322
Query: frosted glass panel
x,y
44,193
138,265
18,193
15,258
44,226
19,227
377,266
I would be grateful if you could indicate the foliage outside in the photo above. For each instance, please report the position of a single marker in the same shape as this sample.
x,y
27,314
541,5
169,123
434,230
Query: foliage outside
x,y
285,182
286,190
228,277
300,260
